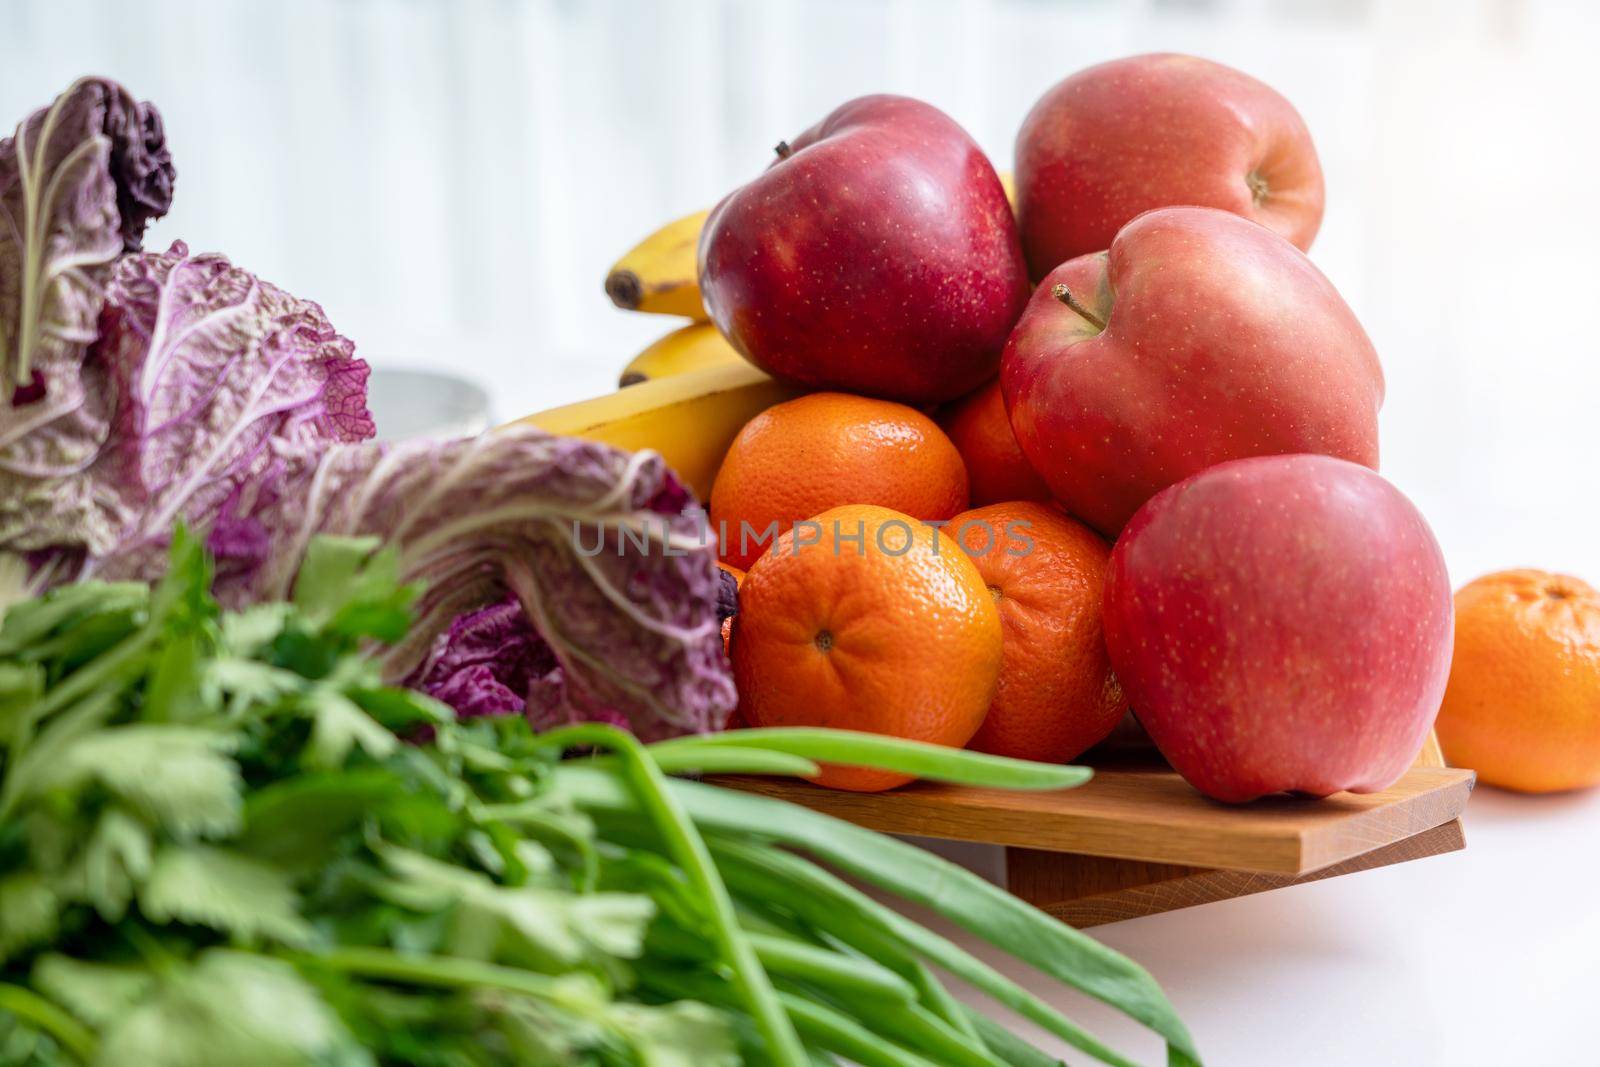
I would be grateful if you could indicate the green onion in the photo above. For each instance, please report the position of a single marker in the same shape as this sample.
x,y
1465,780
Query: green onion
x,y
688,848
934,762
989,912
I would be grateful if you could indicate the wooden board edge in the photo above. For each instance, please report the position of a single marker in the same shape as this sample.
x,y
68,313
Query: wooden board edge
x,y
1092,890
1287,851
1322,847
1445,805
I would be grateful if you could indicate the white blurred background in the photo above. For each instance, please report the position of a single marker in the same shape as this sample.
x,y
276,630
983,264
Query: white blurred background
x,y
451,180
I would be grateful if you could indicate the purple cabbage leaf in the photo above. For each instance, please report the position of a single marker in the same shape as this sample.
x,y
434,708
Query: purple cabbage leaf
x,y
562,578
79,181
226,388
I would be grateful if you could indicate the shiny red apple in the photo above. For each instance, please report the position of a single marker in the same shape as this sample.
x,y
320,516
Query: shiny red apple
x,y
1281,623
1151,131
1200,337
877,254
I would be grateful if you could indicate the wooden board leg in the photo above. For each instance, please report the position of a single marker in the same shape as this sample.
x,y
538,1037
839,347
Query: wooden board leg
x,y
1090,890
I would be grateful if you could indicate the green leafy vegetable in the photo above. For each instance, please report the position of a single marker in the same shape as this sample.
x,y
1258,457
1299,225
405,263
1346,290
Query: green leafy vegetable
x,y
224,840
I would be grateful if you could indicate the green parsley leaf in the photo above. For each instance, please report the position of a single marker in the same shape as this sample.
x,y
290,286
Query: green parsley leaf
x,y
338,726
236,1009
95,992
177,776
566,927
209,886
115,860
29,910
681,1034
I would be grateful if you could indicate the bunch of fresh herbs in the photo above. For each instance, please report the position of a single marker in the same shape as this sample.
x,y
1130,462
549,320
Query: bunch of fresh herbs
x,y
224,841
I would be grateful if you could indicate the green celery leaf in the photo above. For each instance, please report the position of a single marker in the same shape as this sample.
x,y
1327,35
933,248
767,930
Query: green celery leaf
x,y
684,1033
540,1033
97,993
338,725
176,691
329,576
84,643
418,1030
39,769
385,620
21,686
568,927
184,593
30,622
236,1009
251,631
350,588
249,682
401,709
177,776
295,823
207,886
29,912
52,833
537,862
115,860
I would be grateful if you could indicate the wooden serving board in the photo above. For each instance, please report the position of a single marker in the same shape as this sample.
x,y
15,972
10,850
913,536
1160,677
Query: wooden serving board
x,y
1137,839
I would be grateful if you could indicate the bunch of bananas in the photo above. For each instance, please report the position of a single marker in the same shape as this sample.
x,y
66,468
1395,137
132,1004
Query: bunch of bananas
x,y
689,393
658,275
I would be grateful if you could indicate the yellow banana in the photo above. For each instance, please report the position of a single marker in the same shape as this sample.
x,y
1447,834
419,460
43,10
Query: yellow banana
x,y
659,274
1009,184
687,348
689,418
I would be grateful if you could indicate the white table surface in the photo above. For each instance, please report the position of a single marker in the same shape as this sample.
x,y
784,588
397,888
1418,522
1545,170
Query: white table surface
x,y
1488,956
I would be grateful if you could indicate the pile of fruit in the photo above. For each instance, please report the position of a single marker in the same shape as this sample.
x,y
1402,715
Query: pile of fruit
x,y
1094,436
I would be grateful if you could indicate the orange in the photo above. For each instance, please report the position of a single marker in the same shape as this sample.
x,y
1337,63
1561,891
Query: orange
x,y
872,625
1523,704
1057,695
996,469
820,451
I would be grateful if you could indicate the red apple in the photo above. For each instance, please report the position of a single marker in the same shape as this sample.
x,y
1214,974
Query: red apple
x,y
1145,132
1281,623
1200,337
877,255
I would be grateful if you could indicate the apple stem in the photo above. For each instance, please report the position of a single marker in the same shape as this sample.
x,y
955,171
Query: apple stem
x,y
1258,188
783,150
1063,294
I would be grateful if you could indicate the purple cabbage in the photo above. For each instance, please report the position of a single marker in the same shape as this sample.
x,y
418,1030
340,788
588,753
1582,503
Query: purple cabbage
x,y
79,181
564,574
564,580
489,662
136,389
